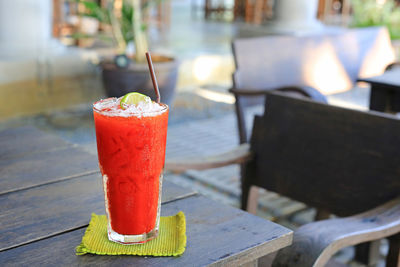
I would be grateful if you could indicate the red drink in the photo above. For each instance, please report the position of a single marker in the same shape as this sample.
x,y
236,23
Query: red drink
x,y
131,151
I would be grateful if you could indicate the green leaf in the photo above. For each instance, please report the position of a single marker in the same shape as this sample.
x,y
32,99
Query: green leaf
x,y
92,6
79,35
122,26
103,37
369,13
127,11
94,10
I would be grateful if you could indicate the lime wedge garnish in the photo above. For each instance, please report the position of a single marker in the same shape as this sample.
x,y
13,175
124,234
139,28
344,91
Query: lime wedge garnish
x,y
133,99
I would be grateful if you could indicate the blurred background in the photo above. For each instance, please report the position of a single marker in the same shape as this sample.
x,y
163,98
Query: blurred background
x,y
52,52
57,57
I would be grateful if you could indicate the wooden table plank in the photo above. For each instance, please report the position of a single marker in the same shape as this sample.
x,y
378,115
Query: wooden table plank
x,y
385,91
43,211
15,142
45,167
217,235
390,78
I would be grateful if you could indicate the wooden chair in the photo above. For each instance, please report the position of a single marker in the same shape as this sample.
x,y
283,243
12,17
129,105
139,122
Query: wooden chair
x,y
252,80
393,65
340,160
330,62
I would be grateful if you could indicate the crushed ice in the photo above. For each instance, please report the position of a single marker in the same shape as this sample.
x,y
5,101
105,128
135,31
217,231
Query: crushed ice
x,y
111,107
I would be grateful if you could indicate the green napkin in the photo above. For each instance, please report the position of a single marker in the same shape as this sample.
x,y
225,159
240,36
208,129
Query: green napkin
x,y
171,240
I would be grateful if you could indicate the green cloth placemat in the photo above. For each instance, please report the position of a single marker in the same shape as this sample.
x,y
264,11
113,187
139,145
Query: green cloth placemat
x,y
171,240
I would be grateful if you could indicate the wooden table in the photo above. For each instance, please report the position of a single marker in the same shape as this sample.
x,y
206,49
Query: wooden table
x,y
385,91
49,188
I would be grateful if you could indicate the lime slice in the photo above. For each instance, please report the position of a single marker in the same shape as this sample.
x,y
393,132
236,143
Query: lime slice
x,y
133,99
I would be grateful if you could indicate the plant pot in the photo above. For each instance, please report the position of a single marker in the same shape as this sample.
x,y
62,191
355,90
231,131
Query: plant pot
x,y
136,78
295,15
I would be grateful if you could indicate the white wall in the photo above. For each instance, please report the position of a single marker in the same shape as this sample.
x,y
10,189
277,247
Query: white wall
x,y
25,27
295,15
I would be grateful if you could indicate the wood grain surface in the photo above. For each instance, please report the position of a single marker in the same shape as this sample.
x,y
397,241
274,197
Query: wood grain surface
x,y
390,78
385,90
44,167
238,155
315,243
47,210
50,188
218,235
15,142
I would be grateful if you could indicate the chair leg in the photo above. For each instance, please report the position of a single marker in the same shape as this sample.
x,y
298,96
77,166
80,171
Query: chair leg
x,y
252,200
322,214
241,124
368,253
393,257
245,195
247,174
207,8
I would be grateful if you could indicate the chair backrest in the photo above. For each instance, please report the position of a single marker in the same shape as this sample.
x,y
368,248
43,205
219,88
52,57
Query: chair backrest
x,y
327,61
341,160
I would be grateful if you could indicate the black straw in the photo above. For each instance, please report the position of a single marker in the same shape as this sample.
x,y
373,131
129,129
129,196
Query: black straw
x,y
153,76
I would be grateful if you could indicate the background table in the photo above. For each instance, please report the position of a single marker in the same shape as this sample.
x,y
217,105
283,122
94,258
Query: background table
x,y
385,91
49,188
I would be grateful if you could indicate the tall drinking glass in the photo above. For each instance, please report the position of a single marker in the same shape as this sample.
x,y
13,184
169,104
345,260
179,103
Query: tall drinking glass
x,y
131,152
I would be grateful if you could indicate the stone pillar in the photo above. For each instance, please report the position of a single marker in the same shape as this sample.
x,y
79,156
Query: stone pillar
x,y
38,73
25,27
295,16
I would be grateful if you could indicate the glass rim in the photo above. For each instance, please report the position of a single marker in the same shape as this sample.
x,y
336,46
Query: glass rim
x,y
165,107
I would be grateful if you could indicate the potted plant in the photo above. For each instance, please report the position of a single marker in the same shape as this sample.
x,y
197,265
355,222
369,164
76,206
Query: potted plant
x,y
125,73
368,13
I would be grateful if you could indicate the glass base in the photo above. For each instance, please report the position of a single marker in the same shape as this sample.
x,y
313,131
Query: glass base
x,y
135,239
132,239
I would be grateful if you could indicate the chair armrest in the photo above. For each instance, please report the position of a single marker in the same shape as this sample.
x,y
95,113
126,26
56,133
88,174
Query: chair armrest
x,y
236,156
305,91
393,65
314,243
248,92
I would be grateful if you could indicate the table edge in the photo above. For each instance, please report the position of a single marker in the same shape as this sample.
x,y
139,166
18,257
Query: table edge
x,y
377,83
247,256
